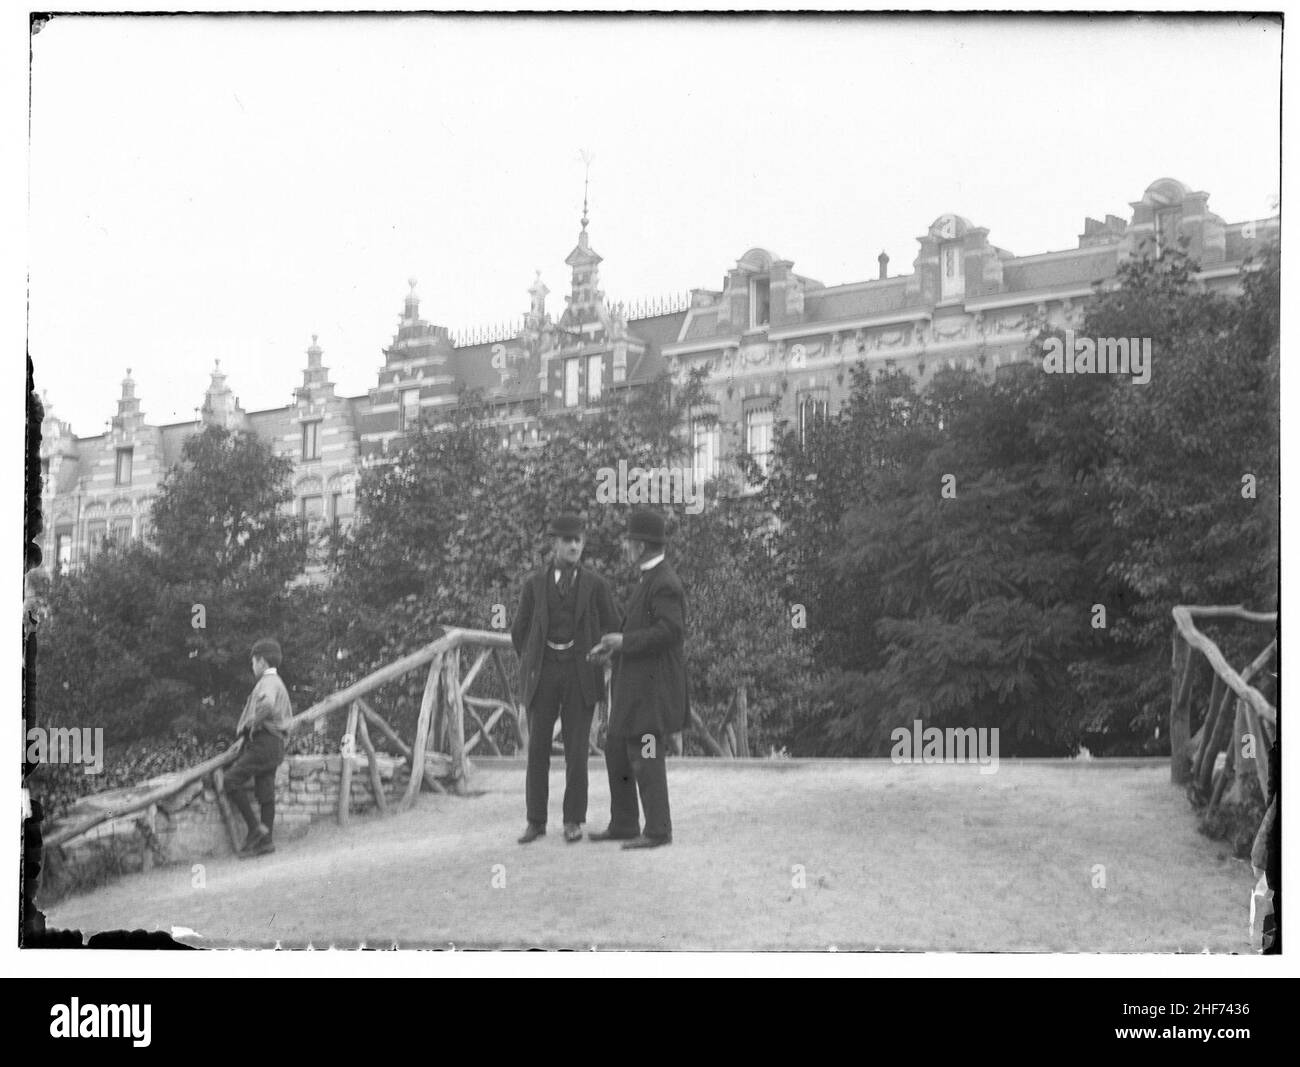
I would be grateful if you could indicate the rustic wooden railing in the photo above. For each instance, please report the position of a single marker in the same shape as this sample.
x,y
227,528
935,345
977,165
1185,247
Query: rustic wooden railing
x,y
1236,713
444,708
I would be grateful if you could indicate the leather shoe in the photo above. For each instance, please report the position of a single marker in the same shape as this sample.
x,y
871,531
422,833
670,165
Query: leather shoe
x,y
253,840
606,835
572,832
642,841
264,847
532,833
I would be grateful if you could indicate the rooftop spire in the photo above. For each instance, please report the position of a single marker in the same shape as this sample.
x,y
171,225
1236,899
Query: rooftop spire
x,y
587,157
412,310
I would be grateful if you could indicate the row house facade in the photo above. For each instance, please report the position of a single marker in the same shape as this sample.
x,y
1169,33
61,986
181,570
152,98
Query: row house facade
x,y
776,349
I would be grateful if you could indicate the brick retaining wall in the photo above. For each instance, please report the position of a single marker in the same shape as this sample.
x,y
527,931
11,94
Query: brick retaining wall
x,y
188,826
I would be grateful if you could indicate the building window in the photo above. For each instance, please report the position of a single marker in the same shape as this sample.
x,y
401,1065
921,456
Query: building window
x,y
311,437
813,408
63,551
119,531
95,533
311,516
124,466
760,302
595,377
1167,230
759,424
704,442
952,278
571,367
408,414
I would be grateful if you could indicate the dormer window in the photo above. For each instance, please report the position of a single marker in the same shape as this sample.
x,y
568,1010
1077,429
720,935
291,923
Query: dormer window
x,y
952,281
760,303
1167,229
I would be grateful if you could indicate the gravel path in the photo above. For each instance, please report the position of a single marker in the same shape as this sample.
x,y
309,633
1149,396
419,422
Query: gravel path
x,y
771,855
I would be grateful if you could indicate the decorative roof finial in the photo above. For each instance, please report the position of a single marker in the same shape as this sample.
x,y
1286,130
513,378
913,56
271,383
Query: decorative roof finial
x,y
587,157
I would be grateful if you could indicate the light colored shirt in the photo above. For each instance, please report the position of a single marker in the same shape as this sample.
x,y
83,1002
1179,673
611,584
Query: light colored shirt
x,y
268,706
652,562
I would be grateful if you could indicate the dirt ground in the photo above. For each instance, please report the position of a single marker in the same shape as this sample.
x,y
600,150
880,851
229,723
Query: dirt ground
x,y
800,854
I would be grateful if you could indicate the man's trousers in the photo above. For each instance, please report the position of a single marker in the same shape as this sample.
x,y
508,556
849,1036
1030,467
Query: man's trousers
x,y
558,693
637,764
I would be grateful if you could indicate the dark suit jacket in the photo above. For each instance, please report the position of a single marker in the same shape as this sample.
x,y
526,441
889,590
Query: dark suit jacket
x,y
594,614
650,688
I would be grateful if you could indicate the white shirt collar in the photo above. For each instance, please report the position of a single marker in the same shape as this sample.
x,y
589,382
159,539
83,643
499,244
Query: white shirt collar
x,y
653,562
270,670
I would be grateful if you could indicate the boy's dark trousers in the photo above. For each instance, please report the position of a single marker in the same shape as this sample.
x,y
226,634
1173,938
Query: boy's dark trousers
x,y
256,763
630,769
558,691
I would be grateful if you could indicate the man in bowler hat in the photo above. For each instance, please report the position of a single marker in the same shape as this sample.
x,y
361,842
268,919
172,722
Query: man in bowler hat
x,y
650,699
562,609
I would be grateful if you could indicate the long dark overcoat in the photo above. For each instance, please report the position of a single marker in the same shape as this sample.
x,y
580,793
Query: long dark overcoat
x,y
650,686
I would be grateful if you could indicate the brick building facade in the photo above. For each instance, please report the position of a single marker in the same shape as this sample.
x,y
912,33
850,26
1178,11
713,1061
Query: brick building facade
x,y
776,346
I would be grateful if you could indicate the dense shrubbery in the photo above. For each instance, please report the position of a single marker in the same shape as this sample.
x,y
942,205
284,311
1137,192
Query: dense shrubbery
x,y
59,786
1068,491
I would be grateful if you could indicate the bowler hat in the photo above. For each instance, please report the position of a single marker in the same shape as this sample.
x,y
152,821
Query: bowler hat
x,y
646,525
566,525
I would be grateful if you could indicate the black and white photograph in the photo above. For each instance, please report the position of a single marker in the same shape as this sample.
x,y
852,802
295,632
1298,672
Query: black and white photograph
x,y
653,483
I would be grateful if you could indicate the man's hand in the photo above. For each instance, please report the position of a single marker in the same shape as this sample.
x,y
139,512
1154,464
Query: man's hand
x,y
609,644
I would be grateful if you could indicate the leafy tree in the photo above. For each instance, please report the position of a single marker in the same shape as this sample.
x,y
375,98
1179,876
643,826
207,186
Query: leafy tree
x,y
744,633
1187,529
151,638
222,513
1070,491
451,528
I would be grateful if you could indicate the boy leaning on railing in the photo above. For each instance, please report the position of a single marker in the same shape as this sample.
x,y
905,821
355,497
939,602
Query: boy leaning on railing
x,y
262,730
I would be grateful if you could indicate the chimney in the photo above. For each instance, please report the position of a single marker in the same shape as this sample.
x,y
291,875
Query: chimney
x,y
883,260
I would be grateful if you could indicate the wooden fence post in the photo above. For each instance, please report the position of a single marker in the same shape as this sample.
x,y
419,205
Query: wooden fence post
x,y
346,751
742,722
427,704
223,806
456,711
1179,719
376,782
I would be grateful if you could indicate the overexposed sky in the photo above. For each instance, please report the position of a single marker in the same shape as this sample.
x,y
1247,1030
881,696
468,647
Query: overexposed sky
x,y
224,187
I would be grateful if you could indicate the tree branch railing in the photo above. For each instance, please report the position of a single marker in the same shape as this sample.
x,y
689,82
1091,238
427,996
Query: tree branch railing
x,y
1238,718
443,709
